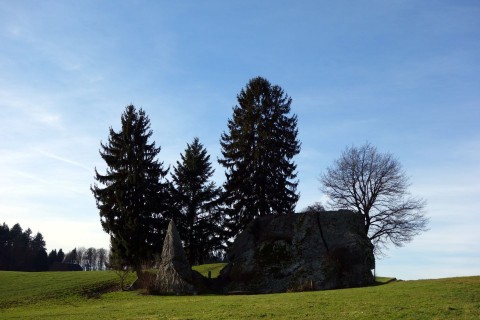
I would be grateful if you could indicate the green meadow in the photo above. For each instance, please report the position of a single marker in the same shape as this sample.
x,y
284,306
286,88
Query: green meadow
x,y
95,295
214,269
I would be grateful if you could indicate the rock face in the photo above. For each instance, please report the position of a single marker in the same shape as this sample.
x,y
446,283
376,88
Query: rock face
x,y
174,274
297,252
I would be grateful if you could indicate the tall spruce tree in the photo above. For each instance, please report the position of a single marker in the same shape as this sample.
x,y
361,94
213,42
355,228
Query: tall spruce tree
x,y
132,201
39,253
196,199
257,154
5,247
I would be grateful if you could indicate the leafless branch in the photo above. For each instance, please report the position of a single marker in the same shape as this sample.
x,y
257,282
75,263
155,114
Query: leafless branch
x,y
374,184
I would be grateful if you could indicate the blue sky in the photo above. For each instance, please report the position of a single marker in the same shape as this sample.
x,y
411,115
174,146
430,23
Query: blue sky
x,y
403,75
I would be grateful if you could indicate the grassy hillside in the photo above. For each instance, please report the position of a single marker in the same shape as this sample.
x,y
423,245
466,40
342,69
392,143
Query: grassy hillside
x,y
27,288
71,295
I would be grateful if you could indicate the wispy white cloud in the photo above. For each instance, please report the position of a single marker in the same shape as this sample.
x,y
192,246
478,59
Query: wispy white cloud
x,y
27,110
62,159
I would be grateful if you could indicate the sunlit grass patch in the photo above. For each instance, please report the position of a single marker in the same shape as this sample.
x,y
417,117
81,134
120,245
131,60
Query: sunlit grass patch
x,y
62,295
214,268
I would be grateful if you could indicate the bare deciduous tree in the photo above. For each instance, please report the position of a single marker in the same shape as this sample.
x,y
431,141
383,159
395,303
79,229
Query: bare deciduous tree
x,y
102,258
81,257
315,207
90,257
375,185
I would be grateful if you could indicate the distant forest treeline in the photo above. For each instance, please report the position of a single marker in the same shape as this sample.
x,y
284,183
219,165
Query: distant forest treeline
x,y
21,251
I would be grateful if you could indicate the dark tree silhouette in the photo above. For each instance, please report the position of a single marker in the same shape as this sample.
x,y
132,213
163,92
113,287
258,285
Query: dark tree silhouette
x,y
132,201
52,257
4,246
60,255
374,184
196,198
257,153
71,257
20,240
19,251
39,253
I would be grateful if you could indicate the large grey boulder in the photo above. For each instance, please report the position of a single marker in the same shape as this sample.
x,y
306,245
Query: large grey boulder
x,y
297,252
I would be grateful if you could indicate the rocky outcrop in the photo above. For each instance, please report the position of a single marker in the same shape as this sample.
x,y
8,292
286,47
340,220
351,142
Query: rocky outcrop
x,y
297,252
175,274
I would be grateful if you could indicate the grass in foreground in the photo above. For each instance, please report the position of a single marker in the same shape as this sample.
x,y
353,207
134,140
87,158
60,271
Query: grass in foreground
x,y
61,295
